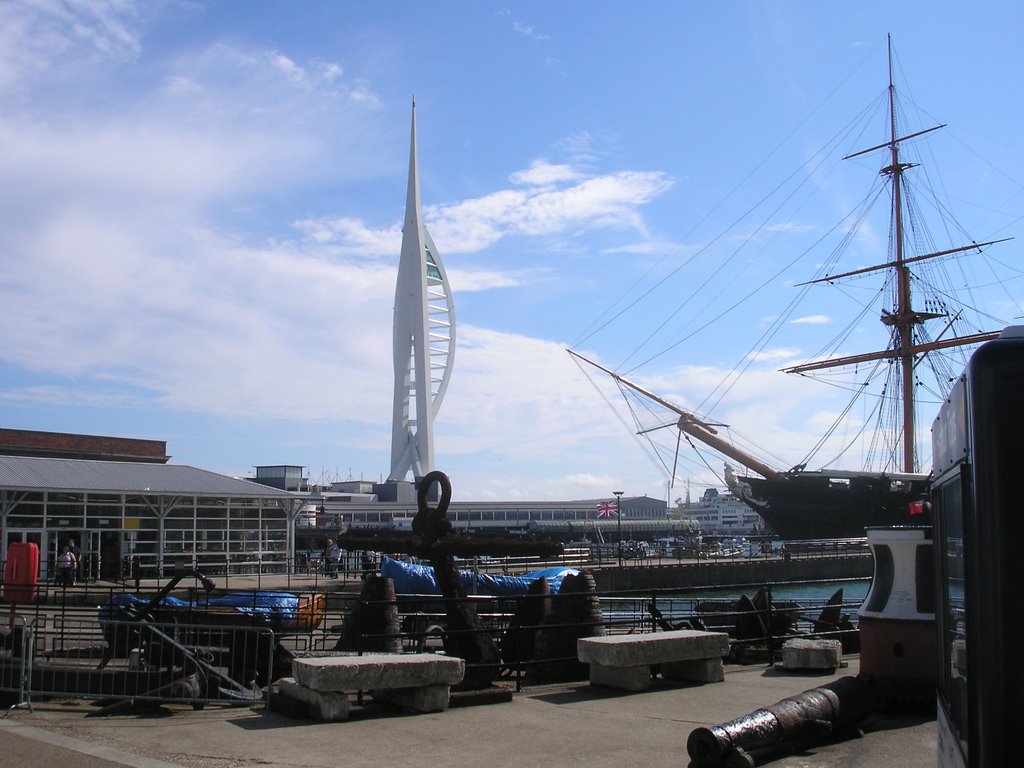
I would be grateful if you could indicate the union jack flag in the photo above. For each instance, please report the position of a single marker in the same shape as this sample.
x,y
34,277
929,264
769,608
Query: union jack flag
x,y
607,509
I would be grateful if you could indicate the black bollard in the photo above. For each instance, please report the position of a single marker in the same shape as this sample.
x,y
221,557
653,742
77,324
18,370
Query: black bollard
x,y
371,624
816,714
532,610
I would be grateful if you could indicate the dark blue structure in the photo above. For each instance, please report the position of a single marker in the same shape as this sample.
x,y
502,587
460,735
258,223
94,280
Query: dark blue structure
x,y
979,528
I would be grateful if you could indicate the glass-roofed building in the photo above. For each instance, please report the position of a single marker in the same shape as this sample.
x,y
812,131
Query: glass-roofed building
x,y
137,514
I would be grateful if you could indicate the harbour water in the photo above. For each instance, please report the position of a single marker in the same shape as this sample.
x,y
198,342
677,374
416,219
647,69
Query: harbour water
x,y
811,595
633,609
854,591
809,592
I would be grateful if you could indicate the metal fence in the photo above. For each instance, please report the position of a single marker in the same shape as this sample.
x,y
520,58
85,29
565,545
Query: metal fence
x,y
57,654
15,653
539,650
71,642
310,567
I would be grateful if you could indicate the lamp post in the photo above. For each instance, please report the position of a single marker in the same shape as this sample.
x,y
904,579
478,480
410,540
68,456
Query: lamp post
x,y
618,520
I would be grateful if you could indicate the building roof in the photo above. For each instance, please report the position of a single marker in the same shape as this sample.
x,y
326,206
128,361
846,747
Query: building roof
x,y
33,473
63,445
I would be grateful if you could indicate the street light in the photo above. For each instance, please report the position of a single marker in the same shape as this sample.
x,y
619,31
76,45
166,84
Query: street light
x,y
618,520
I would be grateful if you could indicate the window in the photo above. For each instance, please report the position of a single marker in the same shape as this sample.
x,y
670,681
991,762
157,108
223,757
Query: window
x,y
952,617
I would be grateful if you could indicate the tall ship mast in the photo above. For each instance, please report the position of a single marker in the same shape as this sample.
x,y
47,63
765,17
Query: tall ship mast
x,y
830,503
905,346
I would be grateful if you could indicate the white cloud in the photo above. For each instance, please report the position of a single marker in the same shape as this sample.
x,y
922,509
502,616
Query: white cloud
x,y
541,173
610,201
518,404
118,262
220,126
238,328
583,147
464,281
329,70
363,94
287,67
812,320
649,246
64,396
353,236
50,39
523,29
775,355
472,225
528,31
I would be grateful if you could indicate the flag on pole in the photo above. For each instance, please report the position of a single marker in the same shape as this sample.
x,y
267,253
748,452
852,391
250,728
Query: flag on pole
x,y
607,509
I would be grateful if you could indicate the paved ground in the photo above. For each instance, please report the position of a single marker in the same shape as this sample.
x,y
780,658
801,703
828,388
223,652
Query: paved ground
x,y
550,726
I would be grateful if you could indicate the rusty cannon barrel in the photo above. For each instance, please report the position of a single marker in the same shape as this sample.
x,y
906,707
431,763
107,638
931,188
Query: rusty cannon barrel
x,y
816,714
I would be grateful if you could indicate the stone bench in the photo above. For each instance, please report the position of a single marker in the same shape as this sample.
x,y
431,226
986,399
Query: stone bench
x,y
625,661
416,682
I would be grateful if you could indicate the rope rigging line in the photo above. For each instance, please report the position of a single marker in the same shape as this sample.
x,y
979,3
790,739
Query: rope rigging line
x,y
591,330
701,456
748,359
655,459
811,166
841,419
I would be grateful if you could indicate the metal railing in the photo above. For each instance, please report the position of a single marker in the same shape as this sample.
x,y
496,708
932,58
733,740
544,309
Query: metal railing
x,y
757,630
15,656
312,568
64,654
61,645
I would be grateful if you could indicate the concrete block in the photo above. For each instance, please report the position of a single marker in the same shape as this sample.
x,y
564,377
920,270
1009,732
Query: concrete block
x,y
327,706
695,671
429,698
652,648
636,678
812,654
377,671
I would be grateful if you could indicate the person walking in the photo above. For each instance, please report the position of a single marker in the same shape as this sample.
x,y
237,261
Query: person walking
x,y
65,567
76,552
333,555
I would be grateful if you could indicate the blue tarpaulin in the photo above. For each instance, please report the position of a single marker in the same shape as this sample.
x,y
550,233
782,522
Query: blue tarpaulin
x,y
277,609
412,579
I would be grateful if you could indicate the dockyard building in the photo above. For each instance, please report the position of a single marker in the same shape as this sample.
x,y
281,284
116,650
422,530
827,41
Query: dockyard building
x,y
135,515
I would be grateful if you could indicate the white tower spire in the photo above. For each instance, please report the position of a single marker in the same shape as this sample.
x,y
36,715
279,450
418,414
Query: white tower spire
x,y
424,341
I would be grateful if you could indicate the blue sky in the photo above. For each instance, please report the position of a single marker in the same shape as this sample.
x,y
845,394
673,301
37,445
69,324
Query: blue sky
x,y
199,220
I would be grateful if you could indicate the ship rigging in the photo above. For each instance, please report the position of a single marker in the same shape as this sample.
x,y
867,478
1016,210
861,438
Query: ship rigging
x,y
831,502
